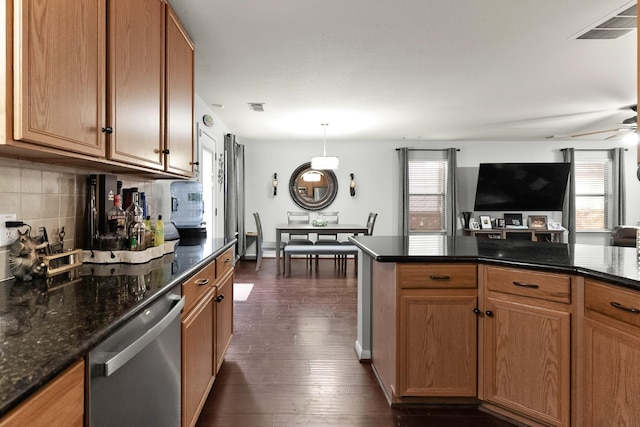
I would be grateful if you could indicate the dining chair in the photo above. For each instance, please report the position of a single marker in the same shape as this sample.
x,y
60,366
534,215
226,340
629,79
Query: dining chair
x,y
299,238
371,222
328,239
261,245
299,218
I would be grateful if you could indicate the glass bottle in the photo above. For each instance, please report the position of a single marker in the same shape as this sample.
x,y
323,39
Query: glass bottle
x,y
116,217
135,226
159,232
134,209
117,220
137,232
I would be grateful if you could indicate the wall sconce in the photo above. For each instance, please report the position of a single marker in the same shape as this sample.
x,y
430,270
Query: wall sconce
x,y
275,184
352,185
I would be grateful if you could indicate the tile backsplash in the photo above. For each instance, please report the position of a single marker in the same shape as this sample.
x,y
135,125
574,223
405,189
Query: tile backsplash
x,y
50,196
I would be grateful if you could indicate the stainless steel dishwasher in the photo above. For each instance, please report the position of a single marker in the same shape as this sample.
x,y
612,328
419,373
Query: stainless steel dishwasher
x,y
134,375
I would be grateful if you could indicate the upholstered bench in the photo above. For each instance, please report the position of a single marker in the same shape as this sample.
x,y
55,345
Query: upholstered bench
x,y
292,249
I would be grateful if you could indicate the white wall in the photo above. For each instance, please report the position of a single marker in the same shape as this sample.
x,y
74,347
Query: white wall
x,y
375,166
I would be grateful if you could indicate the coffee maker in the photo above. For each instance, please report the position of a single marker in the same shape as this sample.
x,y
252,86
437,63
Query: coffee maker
x,y
101,189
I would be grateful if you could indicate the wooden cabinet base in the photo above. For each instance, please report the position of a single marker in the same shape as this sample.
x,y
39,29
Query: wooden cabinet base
x,y
59,404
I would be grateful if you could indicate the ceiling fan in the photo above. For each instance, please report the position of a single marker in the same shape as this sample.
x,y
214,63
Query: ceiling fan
x,y
628,125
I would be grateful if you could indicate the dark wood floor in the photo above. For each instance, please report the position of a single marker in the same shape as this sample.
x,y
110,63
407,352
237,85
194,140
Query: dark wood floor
x,y
292,363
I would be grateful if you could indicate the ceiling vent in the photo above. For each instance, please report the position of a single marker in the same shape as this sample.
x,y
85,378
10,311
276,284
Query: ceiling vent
x,y
613,26
257,106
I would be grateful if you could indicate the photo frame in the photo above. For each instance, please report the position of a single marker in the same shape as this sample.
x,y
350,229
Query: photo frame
x,y
473,224
537,221
514,219
485,221
554,225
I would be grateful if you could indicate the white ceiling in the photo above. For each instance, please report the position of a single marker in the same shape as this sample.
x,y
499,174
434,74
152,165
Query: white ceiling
x,y
414,69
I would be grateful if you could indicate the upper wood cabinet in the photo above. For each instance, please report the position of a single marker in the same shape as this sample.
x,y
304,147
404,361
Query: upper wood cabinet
x,y
136,82
72,97
179,58
59,98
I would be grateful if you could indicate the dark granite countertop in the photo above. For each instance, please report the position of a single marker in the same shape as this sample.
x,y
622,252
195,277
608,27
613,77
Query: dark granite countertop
x,y
45,329
613,264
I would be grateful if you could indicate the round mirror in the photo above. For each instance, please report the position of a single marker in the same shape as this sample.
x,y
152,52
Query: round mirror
x,y
312,189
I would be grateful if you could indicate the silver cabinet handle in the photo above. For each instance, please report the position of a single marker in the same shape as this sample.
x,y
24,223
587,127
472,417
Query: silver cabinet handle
x,y
116,362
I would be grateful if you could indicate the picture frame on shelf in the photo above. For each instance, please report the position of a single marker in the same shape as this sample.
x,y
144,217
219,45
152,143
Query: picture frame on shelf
x,y
554,225
537,221
485,222
474,225
514,219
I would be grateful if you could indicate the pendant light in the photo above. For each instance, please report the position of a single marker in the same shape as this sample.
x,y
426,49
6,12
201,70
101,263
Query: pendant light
x,y
324,161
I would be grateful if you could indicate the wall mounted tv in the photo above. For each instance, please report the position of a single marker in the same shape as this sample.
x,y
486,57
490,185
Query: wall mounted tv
x,y
521,186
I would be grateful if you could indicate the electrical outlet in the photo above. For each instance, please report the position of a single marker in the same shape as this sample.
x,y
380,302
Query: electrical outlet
x,y
7,235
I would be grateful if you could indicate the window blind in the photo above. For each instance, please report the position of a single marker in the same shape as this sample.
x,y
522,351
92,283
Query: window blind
x,y
427,195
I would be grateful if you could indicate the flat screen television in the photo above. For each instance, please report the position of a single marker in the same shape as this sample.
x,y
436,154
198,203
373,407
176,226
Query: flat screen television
x,y
521,186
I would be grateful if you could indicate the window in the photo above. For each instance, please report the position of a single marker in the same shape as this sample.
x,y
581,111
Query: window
x,y
427,194
594,190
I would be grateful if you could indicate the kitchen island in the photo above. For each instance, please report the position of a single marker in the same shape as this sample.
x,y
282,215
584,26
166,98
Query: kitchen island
x,y
45,330
543,333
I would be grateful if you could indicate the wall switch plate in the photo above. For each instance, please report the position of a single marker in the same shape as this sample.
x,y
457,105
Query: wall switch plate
x,y
7,235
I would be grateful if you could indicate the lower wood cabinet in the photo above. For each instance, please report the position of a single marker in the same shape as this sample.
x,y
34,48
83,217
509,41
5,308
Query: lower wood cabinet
x,y
438,343
527,344
207,329
224,318
424,341
198,358
58,404
611,356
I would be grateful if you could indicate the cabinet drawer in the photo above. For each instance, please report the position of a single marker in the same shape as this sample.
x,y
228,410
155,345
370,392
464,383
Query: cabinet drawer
x,y
198,285
438,276
532,284
619,304
224,262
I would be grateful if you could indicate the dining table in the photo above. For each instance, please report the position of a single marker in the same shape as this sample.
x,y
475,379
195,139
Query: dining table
x,y
281,229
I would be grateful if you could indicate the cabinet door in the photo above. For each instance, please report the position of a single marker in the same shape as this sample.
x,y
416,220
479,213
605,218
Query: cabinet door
x,y
438,345
527,360
198,352
224,318
612,376
58,404
59,101
136,82
179,97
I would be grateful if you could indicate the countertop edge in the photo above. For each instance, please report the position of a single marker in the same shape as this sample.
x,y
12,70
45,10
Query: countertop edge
x,y
576,270
75,356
